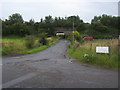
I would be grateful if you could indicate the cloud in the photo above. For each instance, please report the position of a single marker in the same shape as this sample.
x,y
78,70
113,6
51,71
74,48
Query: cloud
x,y
40,8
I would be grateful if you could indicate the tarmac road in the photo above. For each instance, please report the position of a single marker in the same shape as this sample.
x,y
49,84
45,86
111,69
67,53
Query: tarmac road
x,y
52,68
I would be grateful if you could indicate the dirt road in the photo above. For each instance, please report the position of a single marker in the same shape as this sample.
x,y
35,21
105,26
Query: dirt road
x,y
52,68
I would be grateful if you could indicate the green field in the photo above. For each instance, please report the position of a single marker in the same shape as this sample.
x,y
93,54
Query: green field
x,y
86,53
14,45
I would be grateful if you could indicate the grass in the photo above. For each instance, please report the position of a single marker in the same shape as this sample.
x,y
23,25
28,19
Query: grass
x,y
36,49
41,47
86,53
12,45
17,45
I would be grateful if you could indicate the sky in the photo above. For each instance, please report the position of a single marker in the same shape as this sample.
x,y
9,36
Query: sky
x,y
37,9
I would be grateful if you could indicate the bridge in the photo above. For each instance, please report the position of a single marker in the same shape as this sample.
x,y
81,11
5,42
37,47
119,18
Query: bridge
x,y
63,31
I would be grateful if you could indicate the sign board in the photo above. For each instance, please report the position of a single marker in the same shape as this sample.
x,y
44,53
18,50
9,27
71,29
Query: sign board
x,y
102,49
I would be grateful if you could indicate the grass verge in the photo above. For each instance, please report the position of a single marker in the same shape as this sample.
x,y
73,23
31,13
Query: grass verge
x,y
13,45
86,53
41,47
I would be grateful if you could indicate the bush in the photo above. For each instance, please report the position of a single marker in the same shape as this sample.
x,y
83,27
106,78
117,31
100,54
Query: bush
x,y
77,37
30,41
43,41
42,38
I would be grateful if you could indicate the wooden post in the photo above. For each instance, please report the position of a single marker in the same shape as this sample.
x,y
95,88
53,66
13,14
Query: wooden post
x,y
91,47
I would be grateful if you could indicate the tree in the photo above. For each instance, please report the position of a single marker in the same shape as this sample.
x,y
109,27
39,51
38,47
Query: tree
x,y
14,18
32,21
99,30
75,19
41,20
49,19
110,21
101,26
81,27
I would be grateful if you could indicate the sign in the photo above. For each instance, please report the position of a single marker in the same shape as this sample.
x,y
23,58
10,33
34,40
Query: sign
x,y
102,49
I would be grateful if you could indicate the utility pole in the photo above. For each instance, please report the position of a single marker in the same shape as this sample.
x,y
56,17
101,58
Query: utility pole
x,y
73,33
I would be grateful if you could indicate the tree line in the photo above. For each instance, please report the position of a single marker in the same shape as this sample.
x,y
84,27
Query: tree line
x,y
104,26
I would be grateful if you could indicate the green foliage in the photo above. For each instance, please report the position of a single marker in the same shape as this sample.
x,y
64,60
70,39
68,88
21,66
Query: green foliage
x,y
49,19
43,41
87,54
106,20
18,45
76,36
43,47
99,30
7,50
30,41
106,26
98,27
42,38
36,49
14,18
81,27
75,19
101,26
13,45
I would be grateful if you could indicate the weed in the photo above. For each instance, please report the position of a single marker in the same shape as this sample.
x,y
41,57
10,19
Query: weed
x,y
86,53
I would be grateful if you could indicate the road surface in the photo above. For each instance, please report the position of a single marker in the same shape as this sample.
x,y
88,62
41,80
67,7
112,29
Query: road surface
x,y
52,68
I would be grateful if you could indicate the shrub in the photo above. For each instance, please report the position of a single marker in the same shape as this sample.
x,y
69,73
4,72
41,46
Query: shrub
x,y
30,41
77,37
43,41
42,38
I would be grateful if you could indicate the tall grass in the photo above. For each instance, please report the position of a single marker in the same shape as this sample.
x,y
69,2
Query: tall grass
x,y
17,45
86,53
12,45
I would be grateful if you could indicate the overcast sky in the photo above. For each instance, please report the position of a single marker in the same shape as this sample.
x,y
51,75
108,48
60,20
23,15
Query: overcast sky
x,y
37,9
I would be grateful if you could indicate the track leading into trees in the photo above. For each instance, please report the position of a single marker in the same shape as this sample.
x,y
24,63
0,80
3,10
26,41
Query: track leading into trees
x,y
52,68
